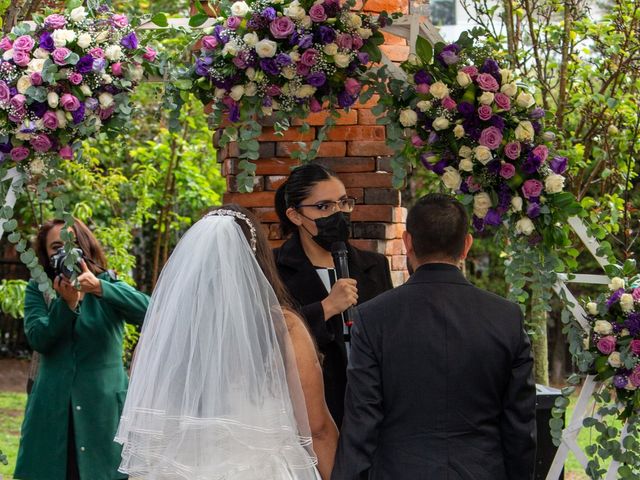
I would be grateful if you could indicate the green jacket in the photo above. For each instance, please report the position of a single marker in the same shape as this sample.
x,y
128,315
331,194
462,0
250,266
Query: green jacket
x,y
80,368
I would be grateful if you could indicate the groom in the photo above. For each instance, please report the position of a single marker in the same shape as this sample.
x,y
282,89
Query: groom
x,y
439,381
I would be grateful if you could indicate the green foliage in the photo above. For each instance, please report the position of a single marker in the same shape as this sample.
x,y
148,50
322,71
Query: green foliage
x,y
12,297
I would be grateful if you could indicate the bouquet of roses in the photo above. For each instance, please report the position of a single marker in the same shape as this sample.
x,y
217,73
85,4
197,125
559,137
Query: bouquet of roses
x,y
614,341
469,121
65,80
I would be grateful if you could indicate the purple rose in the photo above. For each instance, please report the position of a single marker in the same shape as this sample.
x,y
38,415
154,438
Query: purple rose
x,y
492,218
105,113
490,66
533,210
507,170
541,151
466,109
240,60
317,13
78,115
607,344
316,79
24,43
502,101
344,41
269,65
308,58
487,82
303,70
512,150
633,324
478,224
19,153
314,105
233,22
75,78
357,42
281,27
532,189
36,79
325,34
615,297
305,41
345,100
46,42
38,108
448,57
91,103
485,112
69,102
130,41
60,55
269,14
363,57
498,122
620,381
423,77
85,64
490,137
537,113
559,164
5,93
21,59
531,164
352,86
99,64
55,21
282,59
41,143
50,120
209,42
635,347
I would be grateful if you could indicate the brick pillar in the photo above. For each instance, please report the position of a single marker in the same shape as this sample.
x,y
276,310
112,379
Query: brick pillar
x,y
355,149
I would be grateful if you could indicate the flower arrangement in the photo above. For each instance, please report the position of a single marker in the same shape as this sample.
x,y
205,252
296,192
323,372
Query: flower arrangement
x,y
283,60
614,341
65,80
470,121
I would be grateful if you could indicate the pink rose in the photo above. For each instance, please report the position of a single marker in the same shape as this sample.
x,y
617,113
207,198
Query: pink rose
x,y
507,171
21,59
416,141
69,102
5,93
282,27
344,41
485,112
19,153
634,378
491,138
50,120
60,55
75,78
233,22
302,70
607,344
36,79
317,13
5,44
105,113
487,82
314,105
308,58
41,143
209,42
635,294
55,21
18,101
352,86
502,101
542,152
116,69
150,54
66,152
96,52
448,103
273,90
120,21
24,43
635,346
532,189
472,184
471,71
357,42
422,88
512,150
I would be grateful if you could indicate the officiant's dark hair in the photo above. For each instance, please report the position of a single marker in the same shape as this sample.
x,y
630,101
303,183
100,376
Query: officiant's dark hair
x,y
438,225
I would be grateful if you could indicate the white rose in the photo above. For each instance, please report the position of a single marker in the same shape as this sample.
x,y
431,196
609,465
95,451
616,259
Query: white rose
x,y
239,9
36,65
354,20
84,88
548,136
219,93
230,48
585,343
306,21
113,53
509,89
78,14
408,118
482,154
237,91
451,178
516,204
267,111
108,79
463,78
36,166
506,75
440,123
481,204
8,55
525,226
439,90
62,118
250,89
365,33
423,105
616,284
266,48
23,136
554,183
342,60
23,84
602,327
330,49
84,40
295,56
465,152
525,100
102,36
524,131
466,165
592,308
305,91
59,38
40,53
458,131
250,73
69,35
626,302
105,99
630,386
288,72
413,59
614,360
251,39
53,99
486,98
295,11
625,332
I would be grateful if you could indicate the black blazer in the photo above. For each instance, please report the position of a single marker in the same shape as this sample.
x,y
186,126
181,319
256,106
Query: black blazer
x,y
371,270
440,385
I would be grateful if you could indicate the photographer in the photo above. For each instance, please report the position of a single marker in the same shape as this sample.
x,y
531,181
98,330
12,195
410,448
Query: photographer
x,y
73,411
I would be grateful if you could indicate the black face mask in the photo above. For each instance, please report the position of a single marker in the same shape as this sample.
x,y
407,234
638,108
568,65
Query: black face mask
x,y
331,229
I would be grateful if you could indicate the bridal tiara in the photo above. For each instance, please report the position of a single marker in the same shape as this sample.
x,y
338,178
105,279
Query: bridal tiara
x,y
223,212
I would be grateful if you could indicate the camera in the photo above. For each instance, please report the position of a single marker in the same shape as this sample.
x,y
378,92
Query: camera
x,y
59,258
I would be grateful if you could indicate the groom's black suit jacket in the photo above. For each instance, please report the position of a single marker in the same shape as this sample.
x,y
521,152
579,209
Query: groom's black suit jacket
x,y
439,385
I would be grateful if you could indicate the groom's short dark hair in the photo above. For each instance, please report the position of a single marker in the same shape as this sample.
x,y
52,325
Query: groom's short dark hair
x,y
438,225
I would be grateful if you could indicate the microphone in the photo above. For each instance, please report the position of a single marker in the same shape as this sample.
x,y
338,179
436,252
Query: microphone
x,y
341,263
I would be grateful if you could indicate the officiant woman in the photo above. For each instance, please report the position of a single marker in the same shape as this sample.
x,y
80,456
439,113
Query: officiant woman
x,y
314,211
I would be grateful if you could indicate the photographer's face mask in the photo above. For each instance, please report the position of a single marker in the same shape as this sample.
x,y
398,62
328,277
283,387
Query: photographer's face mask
x,y
331,229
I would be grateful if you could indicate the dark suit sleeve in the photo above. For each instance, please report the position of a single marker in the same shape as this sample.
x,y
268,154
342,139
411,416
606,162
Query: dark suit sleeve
x,y
518,422
363,408
314,315
388,283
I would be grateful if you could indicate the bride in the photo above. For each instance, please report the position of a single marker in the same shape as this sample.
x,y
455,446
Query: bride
x,y
226,380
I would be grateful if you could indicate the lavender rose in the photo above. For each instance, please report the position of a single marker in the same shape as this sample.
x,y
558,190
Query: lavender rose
x,y
537,113
559,164
491,138
19,153
607,344
50,120
507,170
541,151
209,42
281,27
317,13
96,52
21,59
24,43
502,101
314,105
634,378
5,44
344,41
69,102
269,13
55,21
635,347
485,112
449,103
75,78
36,79
309,57
120,21
533,210
487,82
60,55
352,86
5,93
66,152
358,42
41,143
512,150
316,79
233,22
532,189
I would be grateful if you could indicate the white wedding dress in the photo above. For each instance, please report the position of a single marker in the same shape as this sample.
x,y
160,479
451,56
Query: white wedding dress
x,y
215,392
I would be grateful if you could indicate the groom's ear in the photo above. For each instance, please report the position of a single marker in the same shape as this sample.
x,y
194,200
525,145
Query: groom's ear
x,y
468,242
408,243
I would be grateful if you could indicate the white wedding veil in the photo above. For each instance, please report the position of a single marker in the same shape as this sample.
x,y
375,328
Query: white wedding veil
x,y
215,393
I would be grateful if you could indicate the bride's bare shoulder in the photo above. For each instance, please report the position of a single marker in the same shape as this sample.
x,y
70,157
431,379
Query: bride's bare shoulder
x,y
292,319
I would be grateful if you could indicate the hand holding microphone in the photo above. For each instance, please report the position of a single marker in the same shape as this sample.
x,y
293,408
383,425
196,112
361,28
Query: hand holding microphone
x,y
347,290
